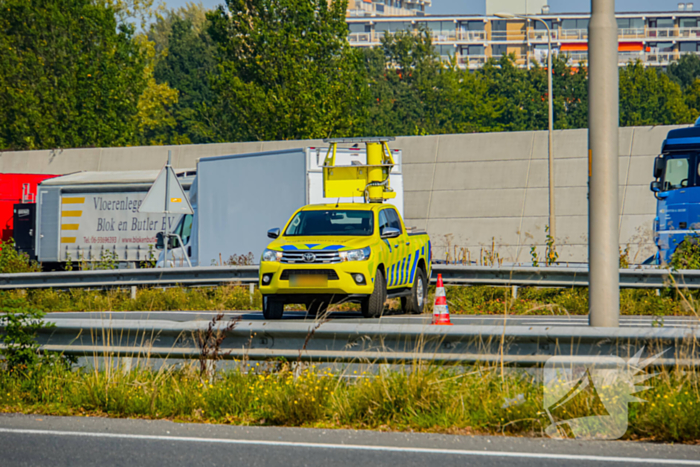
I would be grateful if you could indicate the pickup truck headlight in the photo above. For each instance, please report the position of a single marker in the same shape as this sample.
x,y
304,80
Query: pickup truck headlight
x,y
356,255
270,255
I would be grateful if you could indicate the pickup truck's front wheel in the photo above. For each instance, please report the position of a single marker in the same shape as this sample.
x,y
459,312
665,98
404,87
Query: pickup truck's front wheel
x,y
373,306
272,309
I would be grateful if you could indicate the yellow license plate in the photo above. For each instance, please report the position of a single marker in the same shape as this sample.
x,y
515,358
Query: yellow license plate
x,y
308,280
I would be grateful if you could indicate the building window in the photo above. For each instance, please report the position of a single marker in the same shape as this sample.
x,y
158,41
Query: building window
x,y
499,25
393,26
662,23
689,22
498,50
473,26
356,28
689,46
575,23
474,50
445,50
539,25
661,47
630,23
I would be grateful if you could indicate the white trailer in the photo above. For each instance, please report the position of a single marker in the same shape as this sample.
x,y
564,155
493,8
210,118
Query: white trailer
x,y
237,199
92,216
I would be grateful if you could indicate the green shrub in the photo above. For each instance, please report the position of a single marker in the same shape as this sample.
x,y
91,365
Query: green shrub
x,y
687,255
21,325
12,261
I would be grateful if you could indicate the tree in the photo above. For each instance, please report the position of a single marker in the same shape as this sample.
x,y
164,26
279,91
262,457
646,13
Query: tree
x,y
186,64
685,71
286,70
70,75
398,73
524,99
648,97
157,123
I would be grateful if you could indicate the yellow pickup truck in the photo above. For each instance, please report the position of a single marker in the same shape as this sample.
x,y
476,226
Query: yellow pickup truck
x,y
345,252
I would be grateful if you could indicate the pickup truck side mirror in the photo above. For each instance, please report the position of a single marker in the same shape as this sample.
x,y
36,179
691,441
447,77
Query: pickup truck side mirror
x,y
655,186
658,167
273,233
389,232
173,243
160,242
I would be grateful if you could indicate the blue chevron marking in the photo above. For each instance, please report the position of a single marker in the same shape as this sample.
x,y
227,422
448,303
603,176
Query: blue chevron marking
x,y
403,270
415,264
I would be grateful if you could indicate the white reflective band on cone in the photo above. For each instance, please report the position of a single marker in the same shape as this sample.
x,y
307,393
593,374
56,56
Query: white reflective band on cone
x,y
440,309
440,292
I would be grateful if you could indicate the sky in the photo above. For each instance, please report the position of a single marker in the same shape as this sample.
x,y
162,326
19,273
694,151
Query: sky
x,y
464,7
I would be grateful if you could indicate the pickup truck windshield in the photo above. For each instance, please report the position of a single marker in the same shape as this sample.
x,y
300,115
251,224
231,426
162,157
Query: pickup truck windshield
x,y
331,223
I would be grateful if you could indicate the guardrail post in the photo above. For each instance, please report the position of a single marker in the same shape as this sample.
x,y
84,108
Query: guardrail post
x,y
132,265
515,291
251,290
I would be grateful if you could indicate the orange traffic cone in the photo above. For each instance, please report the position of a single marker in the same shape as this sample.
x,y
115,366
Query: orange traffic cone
x,y
441,314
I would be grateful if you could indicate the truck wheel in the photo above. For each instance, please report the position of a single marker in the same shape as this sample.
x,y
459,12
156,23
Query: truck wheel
x,y
373,306
316,308
272,309
415,303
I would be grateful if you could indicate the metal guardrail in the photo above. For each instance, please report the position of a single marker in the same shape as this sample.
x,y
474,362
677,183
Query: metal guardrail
x,y
213,275
373,342
452,274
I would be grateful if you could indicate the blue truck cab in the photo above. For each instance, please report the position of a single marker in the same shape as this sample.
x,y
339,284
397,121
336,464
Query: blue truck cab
x,y
676,187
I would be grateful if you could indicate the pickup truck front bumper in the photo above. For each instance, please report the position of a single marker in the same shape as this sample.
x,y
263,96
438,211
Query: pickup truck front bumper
x,y
292,281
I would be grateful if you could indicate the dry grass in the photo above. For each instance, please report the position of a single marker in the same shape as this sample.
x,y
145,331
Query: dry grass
x,y
421,398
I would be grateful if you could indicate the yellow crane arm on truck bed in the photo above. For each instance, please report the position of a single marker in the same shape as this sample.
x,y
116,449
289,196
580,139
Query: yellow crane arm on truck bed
x,y
369,180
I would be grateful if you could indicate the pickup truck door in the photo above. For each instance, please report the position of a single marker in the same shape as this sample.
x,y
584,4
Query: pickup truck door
x,y
398,268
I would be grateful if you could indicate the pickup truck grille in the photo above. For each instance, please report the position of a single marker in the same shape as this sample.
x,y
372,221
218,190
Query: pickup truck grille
x,y
319,257
332,275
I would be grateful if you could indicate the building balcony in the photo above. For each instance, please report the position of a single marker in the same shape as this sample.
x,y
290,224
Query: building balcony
x,y
444,36
362,38
472,36
541,35
508,36
693,33
662,32
471,62
573,34
631,33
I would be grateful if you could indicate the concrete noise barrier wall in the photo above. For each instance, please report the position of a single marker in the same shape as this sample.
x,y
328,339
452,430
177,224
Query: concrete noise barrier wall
x,y
481,196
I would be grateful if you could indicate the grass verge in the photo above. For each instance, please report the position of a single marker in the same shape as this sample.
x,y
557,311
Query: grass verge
x,y
462,300
426,398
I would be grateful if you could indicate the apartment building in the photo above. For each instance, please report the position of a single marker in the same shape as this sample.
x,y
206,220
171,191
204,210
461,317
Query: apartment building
x,y
387,7
654,38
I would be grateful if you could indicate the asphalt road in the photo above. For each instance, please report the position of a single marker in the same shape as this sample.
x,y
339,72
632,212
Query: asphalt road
x,y
76,441
481,320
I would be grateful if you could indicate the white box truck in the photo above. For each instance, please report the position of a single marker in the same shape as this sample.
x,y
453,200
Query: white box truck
x,y
236,199
90,216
